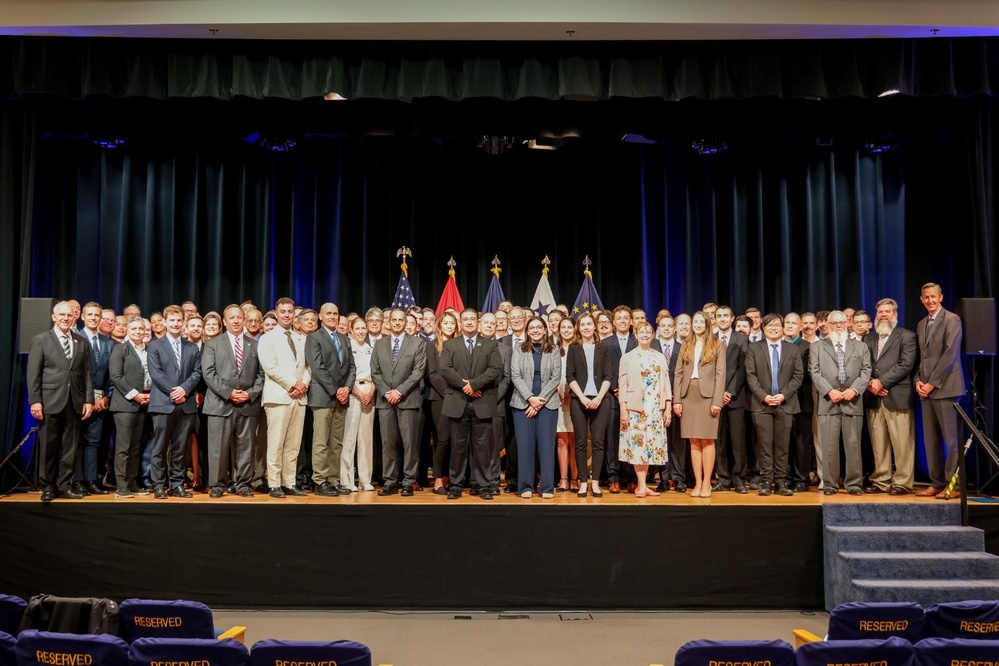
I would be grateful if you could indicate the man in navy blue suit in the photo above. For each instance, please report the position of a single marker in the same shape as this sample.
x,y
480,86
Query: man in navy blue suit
x,y
175,370
95,432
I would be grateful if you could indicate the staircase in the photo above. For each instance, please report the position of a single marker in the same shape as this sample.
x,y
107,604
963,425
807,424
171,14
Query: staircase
x,y
915,551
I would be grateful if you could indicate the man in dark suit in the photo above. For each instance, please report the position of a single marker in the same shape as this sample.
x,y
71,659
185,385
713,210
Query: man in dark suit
x,y
331,362
487,328
773,376
888,401
235,379
676,447
730,464
620,343
398,362
517,319
841,369
175,369
61,395
95,432
939,383
802,449
471,365
129,402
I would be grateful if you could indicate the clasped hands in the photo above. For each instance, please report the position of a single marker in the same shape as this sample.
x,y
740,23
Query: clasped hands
x,y
842,396
469,391
877,388
534,405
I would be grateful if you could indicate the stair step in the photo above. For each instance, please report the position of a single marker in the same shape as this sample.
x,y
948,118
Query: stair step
x,y
917,514
908,539
926,591
956,566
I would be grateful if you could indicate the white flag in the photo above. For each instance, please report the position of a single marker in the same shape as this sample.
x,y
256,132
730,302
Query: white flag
x,y
543,301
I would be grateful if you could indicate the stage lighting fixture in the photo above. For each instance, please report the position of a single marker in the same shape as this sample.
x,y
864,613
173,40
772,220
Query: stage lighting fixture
x,y
334,97
110,144
889,92
495,145
878,147
709,146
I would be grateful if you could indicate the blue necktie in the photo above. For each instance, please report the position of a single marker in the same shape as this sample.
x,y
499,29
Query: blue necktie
x,y
470,346
774,362
339,349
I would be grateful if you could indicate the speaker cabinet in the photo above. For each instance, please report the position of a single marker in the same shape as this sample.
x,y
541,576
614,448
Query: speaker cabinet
x,y
36,316
978,315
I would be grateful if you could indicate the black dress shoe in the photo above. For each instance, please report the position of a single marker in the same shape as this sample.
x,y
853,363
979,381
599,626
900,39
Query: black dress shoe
x,y
454,493
439,491
755,485
765,489
407,491
276,493
295,492
801,487
511,487
245,492
159,493
898,490
78,488
855,491
70,493
678,487
783,490
872,490
48,494
179,491
473,491
95,488
327,490
717,488
263,488
391,489
216,492
486,494
741,489
230,489
343,490
829,491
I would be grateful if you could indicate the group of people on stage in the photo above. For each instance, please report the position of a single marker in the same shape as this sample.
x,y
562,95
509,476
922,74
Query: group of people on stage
x,y
603,400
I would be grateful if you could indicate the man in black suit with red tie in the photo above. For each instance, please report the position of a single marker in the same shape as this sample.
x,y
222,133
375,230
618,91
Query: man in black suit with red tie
x,y
774,372
61,395
471,365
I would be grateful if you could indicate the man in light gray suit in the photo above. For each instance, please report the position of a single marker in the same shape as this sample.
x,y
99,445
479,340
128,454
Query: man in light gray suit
x,y
231,369
397,366
840,369
939,383
332,365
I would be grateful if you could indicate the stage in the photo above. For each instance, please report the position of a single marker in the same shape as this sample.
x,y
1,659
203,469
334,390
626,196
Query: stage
x,y
366,552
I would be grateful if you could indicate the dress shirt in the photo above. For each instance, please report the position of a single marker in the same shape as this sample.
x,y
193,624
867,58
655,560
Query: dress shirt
x,y
698,350
362,360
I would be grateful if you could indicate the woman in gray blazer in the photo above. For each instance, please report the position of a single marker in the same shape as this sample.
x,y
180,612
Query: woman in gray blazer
x,y
536,372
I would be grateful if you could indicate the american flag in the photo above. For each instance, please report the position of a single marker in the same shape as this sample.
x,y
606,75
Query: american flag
x,y
403,294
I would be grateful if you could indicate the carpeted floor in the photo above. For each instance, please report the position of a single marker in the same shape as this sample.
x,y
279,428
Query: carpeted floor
x,y
484,639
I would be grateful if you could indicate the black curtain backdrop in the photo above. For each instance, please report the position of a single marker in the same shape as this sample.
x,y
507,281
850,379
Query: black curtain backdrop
x,y
797,212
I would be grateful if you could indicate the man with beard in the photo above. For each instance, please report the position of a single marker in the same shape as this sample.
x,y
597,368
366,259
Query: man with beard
x,y
888,400
841,369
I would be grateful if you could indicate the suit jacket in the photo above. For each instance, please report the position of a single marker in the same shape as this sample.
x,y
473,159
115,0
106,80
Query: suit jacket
x,y
53,379
125,369
328,373
894,367
632,386
710,382
166,374
790,374
576,370
940,355
436,386
503,384
483,368
218,367
404,375
614,349
824,368
282,370
99,365
805,401
674,354
735,370
522,377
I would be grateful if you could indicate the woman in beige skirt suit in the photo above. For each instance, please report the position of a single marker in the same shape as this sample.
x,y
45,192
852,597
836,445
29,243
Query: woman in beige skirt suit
x,y
698,393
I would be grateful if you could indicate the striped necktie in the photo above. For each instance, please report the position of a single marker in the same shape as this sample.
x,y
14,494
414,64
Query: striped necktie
x,y
66,348
841,362
239,354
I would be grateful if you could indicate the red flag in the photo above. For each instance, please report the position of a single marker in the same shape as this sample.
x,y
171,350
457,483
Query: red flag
x,y
450,298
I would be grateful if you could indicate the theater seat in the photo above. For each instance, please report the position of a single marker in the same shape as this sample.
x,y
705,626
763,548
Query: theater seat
x,y
11,613
963,619
869,619
344,653
207,651
154,618
891,651
949,651
43,648
702,652
73,615
7,642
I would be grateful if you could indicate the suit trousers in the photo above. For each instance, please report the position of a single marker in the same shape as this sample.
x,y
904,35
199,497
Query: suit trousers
x,y
400,438
676,448
260,451
730,465
132,430
816,438
327,442
536,438
284,441
358,431
511,466
892,431
171,434
58,437
237,433
442,445
831,426
596,421
95,434
773,433
471,441
612,439
802,450
497,443
940,419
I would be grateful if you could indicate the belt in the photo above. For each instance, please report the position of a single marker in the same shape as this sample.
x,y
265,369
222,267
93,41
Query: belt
x,y
362,382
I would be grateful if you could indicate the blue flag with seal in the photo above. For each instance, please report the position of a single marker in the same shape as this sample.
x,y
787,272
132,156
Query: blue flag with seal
x,y
588,299
495,294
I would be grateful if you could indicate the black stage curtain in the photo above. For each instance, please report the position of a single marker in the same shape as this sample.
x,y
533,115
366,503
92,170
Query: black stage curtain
x,y
80,67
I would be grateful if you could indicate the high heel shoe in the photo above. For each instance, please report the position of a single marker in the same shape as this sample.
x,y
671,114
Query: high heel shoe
x,y
563,485
596,489
582,490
